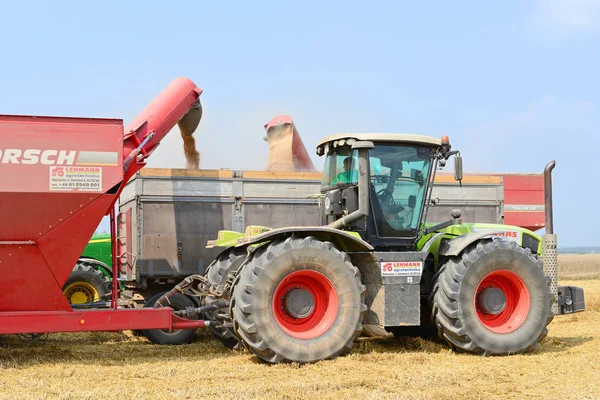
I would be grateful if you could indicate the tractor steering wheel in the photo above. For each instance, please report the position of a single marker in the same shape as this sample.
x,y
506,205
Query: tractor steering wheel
x,y
387,201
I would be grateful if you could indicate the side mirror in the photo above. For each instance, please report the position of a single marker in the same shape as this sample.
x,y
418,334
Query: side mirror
x,y
458,168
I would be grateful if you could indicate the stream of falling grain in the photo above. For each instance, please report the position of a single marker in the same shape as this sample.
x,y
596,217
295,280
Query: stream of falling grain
x,y
192,157
187,127
280,148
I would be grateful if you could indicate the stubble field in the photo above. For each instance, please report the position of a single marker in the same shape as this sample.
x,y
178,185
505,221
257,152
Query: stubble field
x,y
120,366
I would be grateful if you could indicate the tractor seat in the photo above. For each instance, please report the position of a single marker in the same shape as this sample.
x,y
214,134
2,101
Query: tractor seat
x,y
405,216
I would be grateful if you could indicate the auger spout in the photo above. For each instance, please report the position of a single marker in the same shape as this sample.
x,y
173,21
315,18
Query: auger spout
x,y
286,149
178,103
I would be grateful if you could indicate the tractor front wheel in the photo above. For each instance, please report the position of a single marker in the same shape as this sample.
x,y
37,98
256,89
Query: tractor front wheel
x,y
299,300
494,299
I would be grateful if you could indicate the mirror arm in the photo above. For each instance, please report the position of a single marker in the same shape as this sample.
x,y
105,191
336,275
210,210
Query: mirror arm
x,y
451,153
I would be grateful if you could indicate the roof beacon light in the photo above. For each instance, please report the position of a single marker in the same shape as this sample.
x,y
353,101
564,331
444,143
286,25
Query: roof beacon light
x,y
445,141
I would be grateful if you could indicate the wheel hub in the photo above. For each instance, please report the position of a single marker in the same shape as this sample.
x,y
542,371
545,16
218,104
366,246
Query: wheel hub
x,y
502,301
492,301
81,292
299,303
305,304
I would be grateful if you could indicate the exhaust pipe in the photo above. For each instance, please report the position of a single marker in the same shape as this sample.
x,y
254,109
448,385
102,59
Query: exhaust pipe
x,y
549,243
567,299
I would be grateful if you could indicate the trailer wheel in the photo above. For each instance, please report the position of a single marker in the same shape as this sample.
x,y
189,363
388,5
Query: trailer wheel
x,y
299,300
218,273
494,299
86,284
180,336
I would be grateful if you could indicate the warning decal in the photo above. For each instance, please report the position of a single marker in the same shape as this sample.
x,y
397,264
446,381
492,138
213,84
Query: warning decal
x,y
401,268
76,178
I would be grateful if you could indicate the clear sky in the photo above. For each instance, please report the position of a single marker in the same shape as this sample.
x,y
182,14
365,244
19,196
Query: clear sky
x,y
514,83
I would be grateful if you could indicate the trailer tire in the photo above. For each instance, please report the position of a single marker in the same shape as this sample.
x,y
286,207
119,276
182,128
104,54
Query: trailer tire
x,y
86,284
323,296
493,299
218,273
180,336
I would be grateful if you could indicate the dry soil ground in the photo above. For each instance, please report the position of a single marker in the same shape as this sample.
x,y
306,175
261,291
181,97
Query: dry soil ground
x,y
118,365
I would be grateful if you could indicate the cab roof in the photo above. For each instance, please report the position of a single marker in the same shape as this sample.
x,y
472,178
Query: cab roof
x,y
384,137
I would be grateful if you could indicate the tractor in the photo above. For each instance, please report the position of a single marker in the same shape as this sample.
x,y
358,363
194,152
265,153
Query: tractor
x,y
304,294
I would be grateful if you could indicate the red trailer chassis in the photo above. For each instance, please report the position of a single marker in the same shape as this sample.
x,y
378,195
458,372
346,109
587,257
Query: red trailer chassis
x,y
58,178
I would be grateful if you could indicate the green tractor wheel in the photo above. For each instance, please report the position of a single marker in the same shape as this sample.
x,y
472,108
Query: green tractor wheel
x,y
86,284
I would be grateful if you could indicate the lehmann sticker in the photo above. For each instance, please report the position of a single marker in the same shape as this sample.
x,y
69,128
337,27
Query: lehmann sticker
x,y
76,178
401,268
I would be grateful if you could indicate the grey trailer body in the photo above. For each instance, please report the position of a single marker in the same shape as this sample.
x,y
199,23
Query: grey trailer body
x,y
171,214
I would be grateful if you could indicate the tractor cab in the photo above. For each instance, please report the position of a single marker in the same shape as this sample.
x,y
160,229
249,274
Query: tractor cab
x,y
379,184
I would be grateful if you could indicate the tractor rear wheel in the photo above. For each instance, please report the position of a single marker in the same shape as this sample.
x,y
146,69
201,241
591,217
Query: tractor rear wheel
x,y
494,299
177,302
218,274
86,284
298,300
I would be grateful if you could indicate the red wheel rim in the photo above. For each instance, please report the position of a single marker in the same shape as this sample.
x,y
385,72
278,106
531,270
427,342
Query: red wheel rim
x,y
305,304
502,316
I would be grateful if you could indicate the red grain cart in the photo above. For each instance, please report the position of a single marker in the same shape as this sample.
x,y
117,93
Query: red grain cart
x,y
58,178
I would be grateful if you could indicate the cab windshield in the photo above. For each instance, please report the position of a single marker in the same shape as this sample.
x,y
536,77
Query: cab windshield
x,y
399,177
399,181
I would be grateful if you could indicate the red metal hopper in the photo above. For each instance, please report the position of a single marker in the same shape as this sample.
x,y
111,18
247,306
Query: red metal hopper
x,y
58,177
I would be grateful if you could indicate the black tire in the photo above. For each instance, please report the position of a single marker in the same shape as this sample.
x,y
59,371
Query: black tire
x,y
181,336
86,275
454,311
218,274
253,296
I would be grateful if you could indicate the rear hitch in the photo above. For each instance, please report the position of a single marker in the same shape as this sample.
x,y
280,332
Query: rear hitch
x,y
197,286
192,312
570,300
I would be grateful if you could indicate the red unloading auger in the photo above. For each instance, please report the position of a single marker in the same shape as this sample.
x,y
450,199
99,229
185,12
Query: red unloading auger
x,y
59,177
178,104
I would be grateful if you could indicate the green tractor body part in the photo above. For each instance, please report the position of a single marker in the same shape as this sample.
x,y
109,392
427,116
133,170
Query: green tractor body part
x,y
99,248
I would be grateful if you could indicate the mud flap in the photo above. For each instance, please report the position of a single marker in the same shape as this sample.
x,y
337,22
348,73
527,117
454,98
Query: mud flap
x,y
570,299
396,298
